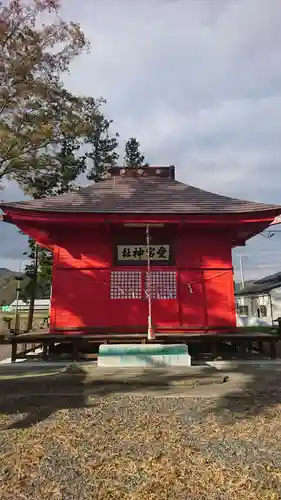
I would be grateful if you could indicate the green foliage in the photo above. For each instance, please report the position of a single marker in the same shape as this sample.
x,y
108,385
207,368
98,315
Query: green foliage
x,y
35,108
38,273
133,157
102,154
67,165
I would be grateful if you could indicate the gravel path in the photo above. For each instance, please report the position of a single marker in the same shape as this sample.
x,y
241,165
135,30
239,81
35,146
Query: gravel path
x,y
139,448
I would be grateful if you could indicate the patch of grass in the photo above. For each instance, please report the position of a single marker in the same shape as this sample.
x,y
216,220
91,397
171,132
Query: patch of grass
x,y
38,319
261,329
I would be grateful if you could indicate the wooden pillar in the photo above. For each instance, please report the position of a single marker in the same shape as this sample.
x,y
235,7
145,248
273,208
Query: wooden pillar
x,y
17,324
273,349
260,347
249,346
243,348
279,326
75,350
14,351
51,348
214,348
45,353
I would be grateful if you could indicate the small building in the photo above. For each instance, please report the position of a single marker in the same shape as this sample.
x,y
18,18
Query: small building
x,y
98,235
39,305
259,302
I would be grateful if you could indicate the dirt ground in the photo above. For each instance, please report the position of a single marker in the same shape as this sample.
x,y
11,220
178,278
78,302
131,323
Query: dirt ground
x,y
141,436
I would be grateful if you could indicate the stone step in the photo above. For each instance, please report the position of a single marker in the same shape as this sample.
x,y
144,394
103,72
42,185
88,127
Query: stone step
x,y
143,355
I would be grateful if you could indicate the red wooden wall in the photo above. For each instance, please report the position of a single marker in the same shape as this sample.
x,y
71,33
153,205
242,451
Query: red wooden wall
x,y
81,280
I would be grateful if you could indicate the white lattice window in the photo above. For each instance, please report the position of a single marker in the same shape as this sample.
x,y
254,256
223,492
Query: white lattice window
x,y
163,284
125,285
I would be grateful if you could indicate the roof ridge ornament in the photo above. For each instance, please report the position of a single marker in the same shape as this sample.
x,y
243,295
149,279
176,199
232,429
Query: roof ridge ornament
x,y
148,171
106,175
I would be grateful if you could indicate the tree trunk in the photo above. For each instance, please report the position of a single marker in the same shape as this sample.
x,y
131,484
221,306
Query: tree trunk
x,y
34,290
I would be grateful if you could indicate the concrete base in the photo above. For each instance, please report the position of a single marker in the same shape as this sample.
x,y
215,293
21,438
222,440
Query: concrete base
x,y
143,355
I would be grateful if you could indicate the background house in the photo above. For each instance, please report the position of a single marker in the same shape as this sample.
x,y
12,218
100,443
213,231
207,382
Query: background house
x,y
259,302
39,305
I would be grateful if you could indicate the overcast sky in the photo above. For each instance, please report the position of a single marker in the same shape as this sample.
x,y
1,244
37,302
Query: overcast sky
x,y
198,82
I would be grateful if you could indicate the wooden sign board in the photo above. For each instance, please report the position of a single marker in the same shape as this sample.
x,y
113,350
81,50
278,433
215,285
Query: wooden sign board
x,y
137,254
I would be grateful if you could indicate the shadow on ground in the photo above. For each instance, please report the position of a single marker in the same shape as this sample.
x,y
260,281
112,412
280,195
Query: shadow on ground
x,y
39,397
261,392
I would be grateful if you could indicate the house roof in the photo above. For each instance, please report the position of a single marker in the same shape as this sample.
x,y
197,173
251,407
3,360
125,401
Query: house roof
x,y
261,286
150,192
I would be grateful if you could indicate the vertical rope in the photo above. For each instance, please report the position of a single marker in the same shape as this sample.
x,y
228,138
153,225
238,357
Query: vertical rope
x,y
150,332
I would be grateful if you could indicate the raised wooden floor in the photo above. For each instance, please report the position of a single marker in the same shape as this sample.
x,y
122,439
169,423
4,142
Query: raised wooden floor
x,y
79,341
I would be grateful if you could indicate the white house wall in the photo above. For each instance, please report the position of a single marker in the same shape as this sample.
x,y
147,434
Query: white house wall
x,y
39,305
252,321
276,302
253,303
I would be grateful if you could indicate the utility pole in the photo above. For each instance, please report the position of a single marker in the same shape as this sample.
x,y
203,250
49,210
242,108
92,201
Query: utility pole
x,y
271,309
17,316
241,259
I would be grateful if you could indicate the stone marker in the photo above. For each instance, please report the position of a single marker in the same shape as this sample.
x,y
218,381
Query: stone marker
x,y
143,355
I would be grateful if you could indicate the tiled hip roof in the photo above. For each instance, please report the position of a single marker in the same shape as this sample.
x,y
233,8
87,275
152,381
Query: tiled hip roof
x,y
142,196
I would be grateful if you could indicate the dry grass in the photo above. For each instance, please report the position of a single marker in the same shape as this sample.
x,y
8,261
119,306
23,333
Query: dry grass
x,y
38,319
120,446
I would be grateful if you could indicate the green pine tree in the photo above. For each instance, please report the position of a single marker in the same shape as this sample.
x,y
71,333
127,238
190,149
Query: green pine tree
x,y
61,175
102,144
133,157
66,167
39,270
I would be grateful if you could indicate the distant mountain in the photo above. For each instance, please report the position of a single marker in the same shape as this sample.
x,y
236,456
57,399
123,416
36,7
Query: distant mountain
x,y
8,286
4,271
238,286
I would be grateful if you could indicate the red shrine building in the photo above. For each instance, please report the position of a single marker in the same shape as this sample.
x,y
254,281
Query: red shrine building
x,y
98,238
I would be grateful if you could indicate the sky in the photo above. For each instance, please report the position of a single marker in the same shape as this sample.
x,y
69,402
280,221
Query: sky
x,y
198,83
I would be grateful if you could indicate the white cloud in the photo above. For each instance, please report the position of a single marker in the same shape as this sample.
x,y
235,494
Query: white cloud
x,y
197,82
261,256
